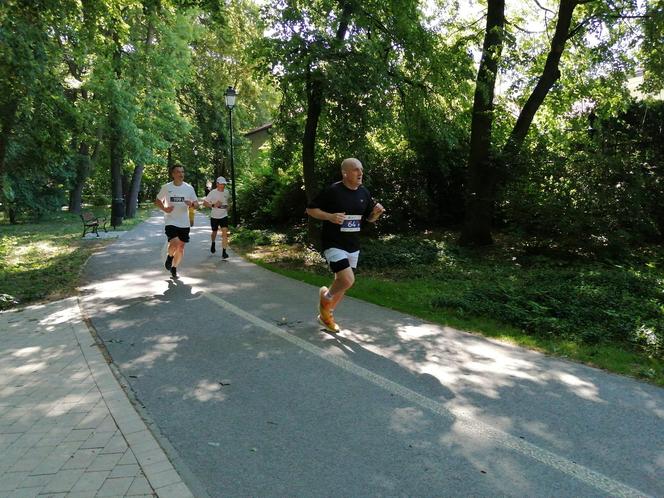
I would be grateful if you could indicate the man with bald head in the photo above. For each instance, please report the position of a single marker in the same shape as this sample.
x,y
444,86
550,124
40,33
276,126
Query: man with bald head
x,y
343,207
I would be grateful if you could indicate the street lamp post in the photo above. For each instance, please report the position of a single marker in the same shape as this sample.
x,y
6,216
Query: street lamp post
x,y
230,96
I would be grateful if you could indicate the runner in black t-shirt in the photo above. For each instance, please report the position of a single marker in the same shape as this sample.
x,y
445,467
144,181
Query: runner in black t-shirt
x,y
343,207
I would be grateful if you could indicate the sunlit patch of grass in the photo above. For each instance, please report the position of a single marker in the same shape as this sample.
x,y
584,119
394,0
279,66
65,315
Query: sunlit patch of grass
x,y
37,254
42,261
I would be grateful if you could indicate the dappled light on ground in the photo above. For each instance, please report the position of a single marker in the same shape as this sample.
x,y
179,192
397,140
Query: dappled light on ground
x,y
205,390
435,392
580,387
160,348
465,363
60,410
41,251
409,420
22,364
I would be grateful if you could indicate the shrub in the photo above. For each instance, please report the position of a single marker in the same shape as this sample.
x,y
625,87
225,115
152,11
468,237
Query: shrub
x,y
398,252
254,237
589,303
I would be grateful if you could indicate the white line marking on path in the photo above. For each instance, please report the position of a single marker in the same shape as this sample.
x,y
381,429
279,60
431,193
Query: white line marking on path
x,y
587,476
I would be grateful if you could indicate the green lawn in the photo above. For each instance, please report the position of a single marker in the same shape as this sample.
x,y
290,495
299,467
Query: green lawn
x,y
41,261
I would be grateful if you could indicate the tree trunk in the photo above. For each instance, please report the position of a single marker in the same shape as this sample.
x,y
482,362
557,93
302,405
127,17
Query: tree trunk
x,y
81,151
115,143
116,156
134,189
169,159
7,117
82,174
550,74
315,98
314,109
219,161
76,197
481,175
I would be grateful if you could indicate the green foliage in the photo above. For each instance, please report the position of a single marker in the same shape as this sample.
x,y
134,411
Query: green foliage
x,y
653,46
599,191
148,77
591,303
409,79
98,199
221,54
398,252
397,94
253,237
34,113
268,197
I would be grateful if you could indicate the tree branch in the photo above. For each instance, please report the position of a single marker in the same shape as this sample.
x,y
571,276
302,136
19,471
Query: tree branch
x,y
519,28
543,8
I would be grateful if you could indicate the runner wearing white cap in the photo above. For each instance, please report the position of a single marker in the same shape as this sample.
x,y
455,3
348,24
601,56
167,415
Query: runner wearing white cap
x,y
218,200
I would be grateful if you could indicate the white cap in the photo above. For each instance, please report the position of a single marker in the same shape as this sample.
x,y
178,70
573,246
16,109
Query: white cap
x,y
221,179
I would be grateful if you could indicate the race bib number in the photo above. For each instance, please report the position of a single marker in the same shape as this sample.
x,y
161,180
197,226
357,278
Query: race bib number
x,y
352,223
176,199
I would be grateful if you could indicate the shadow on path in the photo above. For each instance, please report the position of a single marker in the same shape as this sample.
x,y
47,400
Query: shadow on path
x,y
390,406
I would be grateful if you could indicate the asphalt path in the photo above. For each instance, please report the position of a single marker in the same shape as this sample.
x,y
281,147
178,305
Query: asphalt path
x,y
251,398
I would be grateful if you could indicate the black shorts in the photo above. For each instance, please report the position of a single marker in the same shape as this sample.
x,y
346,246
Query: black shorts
x,y
181,233
215,223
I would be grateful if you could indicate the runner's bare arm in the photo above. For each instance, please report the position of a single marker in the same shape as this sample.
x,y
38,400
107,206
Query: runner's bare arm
x,y
376,212
160,205
319,214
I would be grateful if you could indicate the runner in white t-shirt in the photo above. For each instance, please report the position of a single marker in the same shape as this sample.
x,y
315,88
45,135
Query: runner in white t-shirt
x,y
174,199
218,200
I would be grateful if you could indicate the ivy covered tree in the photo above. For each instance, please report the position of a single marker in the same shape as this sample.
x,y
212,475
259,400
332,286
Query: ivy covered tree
x,y
98,93
652,49
34,113
356,79
575,23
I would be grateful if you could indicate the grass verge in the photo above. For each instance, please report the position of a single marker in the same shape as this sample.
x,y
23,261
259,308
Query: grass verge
x,y
42,261
606,314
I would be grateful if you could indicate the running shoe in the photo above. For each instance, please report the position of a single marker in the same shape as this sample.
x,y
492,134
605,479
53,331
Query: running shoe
x,y
224,254
329,323
323,304
174,272
212,248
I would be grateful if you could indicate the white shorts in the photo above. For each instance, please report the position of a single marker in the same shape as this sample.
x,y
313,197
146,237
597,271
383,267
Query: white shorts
x,y
333,254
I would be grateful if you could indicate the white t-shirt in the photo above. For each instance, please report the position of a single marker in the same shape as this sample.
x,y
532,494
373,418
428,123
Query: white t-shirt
x,y
175,195
215,196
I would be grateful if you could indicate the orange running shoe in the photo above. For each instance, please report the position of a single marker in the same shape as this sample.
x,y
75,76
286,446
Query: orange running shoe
x,y
325,313
329,323
323,304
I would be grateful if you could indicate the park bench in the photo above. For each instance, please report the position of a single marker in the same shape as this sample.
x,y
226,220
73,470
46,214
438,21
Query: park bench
x,y
91,223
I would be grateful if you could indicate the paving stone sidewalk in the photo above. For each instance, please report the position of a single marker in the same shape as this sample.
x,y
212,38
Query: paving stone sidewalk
x,y
67,429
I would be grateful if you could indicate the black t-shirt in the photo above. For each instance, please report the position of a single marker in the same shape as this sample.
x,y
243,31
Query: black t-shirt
x,y
357,204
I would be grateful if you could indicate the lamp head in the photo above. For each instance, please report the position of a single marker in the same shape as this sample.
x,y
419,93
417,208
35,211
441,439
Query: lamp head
x,y
230,96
